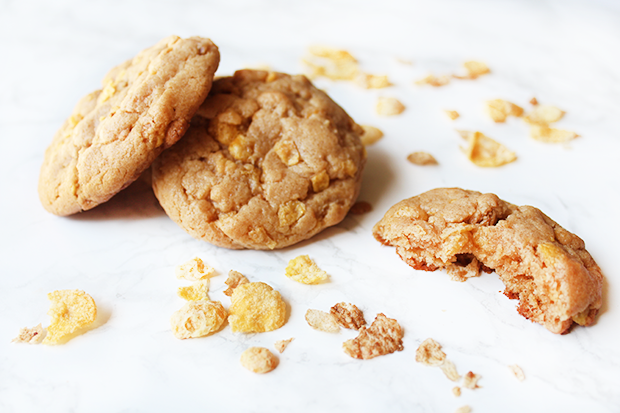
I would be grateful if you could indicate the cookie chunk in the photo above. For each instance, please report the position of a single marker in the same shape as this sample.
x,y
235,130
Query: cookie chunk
x,y
268,161
546,267
114,134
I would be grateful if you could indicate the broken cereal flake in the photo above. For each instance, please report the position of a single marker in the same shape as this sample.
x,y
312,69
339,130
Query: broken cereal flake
x,y
422,158
331,53
449,369
198,291
470,380
403,61
546,134
234,280
474,69
463,409
384,336
287,152
320,181
259,360
348,315
371,135
533,101
517,371
197,319
256,308
70,311
486,152
332,63
260,236
290,212
368,81
193,270
456,391
389,107
429,353
32,335
544,115
452,114
360,208
281,345
322,321
302,269
499,110
435,81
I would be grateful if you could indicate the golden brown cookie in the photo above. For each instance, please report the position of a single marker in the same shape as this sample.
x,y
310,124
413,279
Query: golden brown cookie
x,y
114,134
546,267
268,161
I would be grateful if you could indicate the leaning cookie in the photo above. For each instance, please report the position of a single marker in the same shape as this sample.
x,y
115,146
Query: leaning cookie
x,y
546,267
115,133
268,161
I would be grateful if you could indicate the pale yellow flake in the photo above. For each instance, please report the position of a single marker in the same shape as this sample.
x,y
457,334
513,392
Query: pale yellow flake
x,y
452,114
449,369
290,212
546,134
371,135
422,158
499,110
517,371
463,409
429,353
475,69
368,81
234,280
456,391
387,106
281,345
486,152
259,360
287,152
322,321
70,311
197,319
256,308
198,291
193,270
32,335
320,181
302,269
544,115
470,380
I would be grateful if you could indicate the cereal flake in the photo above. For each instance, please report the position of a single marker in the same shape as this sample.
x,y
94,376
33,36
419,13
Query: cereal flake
x,y
348,315
290,212
287,152
456,391
302,269
389,106
517,371
234,280
486,152
32,335
193,270
198,291
544,115
320,181
435,81
422,158
452,114
371,135
368,81
546,134
429,353
463,409
322,321
259,360
256,308
281,345
470,380
499,110
70,311
475,69
449,369
384,336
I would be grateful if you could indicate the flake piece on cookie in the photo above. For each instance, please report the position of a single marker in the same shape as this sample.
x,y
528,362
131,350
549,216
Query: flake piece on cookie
x,y
70,311
193,270
360,208
384,336
259,360
281,345
302,269
290,212
517,371
546,267
422,158
546,134
486,152
234,280
435,81
320,181
198,291
322,321
32,335
287,151
371,135
387,106
256,308
470,380
499,110
197,319
348,315
429,353
544,115
452,114
368,81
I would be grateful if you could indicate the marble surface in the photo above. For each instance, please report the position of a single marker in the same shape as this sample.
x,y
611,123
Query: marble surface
x,y
123,253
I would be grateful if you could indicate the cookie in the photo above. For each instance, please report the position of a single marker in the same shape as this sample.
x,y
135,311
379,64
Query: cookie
x,y
114,134
544,266
268,161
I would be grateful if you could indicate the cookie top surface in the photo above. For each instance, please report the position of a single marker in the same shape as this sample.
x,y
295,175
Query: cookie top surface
x,y
114,134
268,161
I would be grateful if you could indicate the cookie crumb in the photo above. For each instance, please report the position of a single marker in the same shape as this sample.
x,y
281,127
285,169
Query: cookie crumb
x,y
256,308
360,208
384,336
348,315
32,335
302,269
429,353
281,345
234,280
486,152
371,135
70,311
452,114
197,319
322,321
435,81
193,270
387,106
259,360
456,391
470,380
517,371
198,291
422,158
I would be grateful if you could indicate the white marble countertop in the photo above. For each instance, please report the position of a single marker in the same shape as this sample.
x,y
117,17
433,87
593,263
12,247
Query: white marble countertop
x,y
123,253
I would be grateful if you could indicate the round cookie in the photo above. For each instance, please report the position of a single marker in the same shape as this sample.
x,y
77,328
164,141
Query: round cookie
x,y
268,161
114,134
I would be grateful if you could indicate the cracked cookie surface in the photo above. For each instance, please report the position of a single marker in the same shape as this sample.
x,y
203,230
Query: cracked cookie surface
x,y
115,133
546,267
268,161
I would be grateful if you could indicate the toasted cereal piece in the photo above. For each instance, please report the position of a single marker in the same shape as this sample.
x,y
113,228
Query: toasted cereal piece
x,y
534,101
32,335
517,371
449,369
234,280
384,336
546,134
259,360
463,409
389,106
320,181
193,270
287,152
475,69
435,81
368,81
456,391
371,135
486,152
360,208
197,319
430,354
281,345
470,380
290,212
256,308
302,269
322,321
198,291
331,53
70,311
499,110
452,114
544,115
422,158
348,315
333,63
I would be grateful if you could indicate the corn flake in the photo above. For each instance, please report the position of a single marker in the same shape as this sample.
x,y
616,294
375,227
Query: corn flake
x,y
452,114
197,319
435,81
256,308
332,63
368,81
384,336
259,360
517,371
348,315
456,391
470,380
198,291
475,69
486,152
281,345
499,110
70,311
429,353
449,369
546,134
422,158
389,106
320,181
463,409
234,280
302,269
371,135
193,270
32,335
544,115
290,212
322,321
287,152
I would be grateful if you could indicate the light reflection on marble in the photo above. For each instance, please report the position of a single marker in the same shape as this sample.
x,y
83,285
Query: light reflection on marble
x,y
123,253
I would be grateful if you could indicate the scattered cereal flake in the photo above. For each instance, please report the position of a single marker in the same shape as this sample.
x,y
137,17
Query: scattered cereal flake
x,y
256,308
290,212
234,280
499,109
449,369
463,409
348,315
281,345
197,319
259,360
533,101
331,53
32,335
320,181
360,208
546,134
302,269
517,371
486,152
544,115
368,81
452,114
407,62
384,336
475,69
287,152
332,63
456,391
389,106
198,291
322,321
371,135
193,270
430,354
70,310
435,81
470,380
422,158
